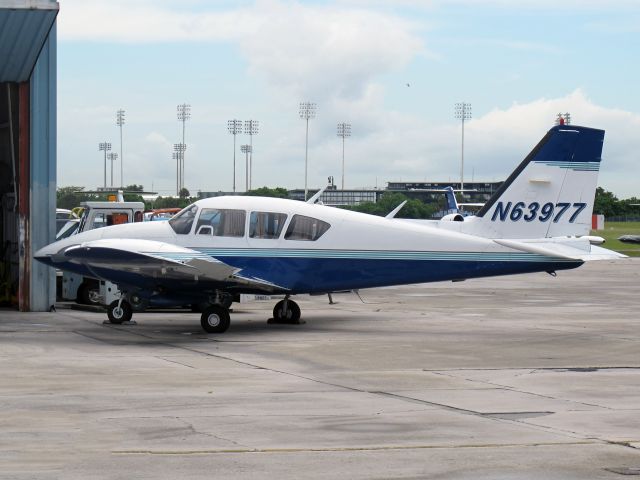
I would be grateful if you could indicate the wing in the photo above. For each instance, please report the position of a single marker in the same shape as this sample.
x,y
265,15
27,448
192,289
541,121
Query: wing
x,y
132,262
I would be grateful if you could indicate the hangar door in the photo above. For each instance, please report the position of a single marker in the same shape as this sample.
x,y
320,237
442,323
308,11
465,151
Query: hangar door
x,y
9,154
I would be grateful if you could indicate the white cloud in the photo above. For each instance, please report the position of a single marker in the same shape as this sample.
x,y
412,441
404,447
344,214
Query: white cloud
x,y
131,21
308,50
327,50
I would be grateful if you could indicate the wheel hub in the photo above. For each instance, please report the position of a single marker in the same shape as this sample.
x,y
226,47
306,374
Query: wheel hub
x,y
213,320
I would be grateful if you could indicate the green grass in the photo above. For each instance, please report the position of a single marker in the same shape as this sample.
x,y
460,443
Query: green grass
x,y
611,232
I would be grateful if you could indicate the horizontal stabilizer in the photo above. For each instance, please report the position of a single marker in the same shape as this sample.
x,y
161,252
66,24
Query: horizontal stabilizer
x,y
572,248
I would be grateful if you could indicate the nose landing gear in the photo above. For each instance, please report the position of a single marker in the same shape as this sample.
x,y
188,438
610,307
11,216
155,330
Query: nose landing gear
x,y
119,311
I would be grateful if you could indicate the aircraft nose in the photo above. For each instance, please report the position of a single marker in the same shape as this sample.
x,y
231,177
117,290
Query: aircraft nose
x,y
50,254
45,254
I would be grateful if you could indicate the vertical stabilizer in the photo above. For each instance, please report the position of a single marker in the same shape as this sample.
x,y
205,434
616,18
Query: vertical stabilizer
x,y
551,193
452,203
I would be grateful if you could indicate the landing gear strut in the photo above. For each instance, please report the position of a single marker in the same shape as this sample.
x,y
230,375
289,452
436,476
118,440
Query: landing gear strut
x,y
286,311
215,319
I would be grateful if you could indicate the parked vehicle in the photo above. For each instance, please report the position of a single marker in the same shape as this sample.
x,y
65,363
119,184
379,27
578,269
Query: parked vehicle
x,y
86,290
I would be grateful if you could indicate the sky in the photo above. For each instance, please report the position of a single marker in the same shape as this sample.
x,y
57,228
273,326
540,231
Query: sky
x,y
393,69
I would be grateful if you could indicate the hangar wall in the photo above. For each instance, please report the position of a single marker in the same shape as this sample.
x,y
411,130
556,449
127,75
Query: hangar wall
x,y
42,147
27,150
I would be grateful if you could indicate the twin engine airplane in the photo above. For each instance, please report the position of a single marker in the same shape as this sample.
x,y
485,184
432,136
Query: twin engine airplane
x,y
538,221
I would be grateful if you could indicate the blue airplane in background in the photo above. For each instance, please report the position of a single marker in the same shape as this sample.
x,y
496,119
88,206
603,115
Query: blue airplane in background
x,y
538,221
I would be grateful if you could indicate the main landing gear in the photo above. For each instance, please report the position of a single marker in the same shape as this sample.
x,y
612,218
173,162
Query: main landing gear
x,y
286,311
215,319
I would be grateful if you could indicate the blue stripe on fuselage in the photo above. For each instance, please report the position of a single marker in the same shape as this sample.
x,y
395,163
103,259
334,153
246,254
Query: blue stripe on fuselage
x,y
311,275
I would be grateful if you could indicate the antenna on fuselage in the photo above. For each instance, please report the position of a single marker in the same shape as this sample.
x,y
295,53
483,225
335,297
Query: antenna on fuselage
x,y
393,212
315,198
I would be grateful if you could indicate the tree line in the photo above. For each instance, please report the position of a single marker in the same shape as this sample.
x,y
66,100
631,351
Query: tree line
x,y
609,205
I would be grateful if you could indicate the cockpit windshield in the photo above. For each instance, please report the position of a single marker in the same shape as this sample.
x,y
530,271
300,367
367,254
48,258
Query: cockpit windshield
x,y
182,221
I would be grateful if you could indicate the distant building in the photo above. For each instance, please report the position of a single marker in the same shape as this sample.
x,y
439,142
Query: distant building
x,y
340,197
220,193
426,191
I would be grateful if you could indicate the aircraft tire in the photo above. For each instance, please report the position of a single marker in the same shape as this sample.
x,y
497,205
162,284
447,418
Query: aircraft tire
x,y
119,315
215,319
291,316
88,295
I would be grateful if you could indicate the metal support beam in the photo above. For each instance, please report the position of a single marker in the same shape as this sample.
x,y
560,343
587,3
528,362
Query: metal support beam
x,y
24,174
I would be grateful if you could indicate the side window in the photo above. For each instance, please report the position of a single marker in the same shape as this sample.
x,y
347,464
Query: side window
x,y
182,222
106,219
305,228
99,220
266,224
221,223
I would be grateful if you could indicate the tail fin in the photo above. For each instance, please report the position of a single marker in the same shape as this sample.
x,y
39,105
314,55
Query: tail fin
x,y
452,203
551,193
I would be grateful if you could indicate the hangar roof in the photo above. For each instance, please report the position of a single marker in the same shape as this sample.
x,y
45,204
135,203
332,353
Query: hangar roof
x,y
24,26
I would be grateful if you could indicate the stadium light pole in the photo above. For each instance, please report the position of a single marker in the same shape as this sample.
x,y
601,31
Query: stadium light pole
x,y
179,149
184,114
120,123
307,111
104,147
113,156
176,156
235,128
246,149
462,112
344,130
251,128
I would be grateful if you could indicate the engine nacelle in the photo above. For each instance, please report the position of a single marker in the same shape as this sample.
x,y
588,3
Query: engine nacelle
x,y
453,217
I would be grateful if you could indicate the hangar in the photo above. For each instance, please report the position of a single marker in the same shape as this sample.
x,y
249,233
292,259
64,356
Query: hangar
x,y
27,150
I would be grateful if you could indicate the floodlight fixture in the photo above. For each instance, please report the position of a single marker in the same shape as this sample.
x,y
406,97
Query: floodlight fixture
x,y
462,112
104,147
307,111
184,112
344,130
251,127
